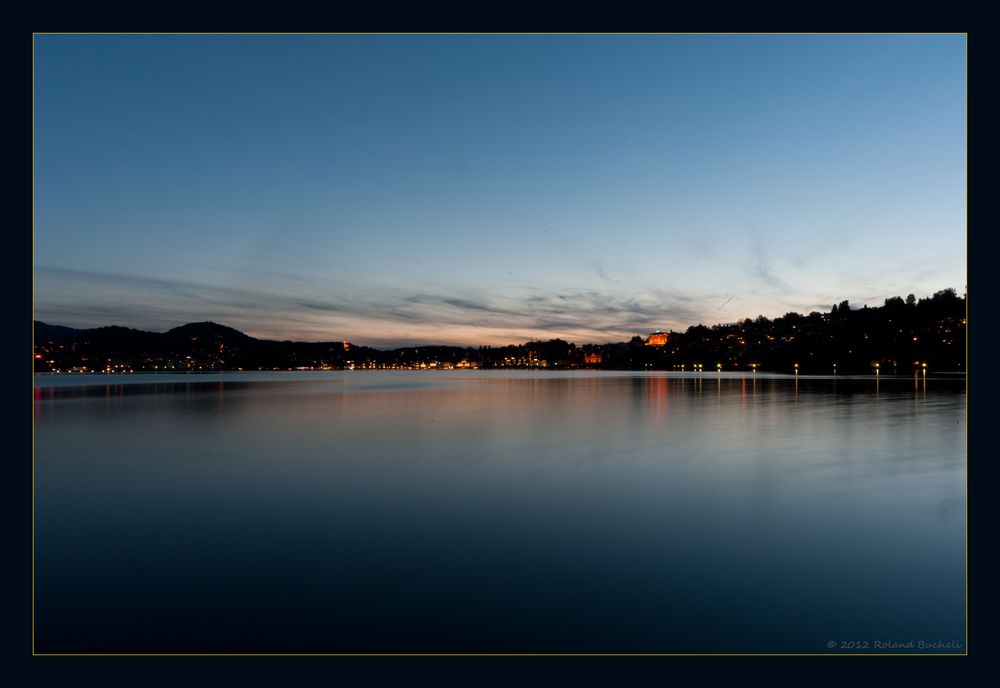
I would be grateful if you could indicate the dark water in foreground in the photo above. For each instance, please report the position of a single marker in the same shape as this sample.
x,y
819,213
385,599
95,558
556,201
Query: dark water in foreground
x,y
498,512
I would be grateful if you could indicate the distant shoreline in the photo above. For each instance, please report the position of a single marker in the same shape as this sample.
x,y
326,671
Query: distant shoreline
x,y
898,338
678,374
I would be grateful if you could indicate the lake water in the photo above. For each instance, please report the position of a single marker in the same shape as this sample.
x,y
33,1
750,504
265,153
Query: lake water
x,y
499,512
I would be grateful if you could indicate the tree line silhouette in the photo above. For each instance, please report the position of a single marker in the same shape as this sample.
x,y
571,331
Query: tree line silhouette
x,y
898,337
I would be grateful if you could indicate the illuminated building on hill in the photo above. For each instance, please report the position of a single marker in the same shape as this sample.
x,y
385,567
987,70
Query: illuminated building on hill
x,y
657,338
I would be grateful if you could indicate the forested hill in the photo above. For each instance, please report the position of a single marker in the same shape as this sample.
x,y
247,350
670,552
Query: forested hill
x,y
898,337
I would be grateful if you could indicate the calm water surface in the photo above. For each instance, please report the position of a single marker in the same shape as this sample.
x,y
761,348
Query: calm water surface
x,y
497,512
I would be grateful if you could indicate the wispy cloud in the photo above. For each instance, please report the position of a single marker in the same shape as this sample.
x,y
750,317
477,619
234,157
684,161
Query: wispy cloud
x,y
763,270
601,272
362,314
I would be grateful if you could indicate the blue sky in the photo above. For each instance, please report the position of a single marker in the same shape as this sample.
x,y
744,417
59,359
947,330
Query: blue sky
x,y
399,190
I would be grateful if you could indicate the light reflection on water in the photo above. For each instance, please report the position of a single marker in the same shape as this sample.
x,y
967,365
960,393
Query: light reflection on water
x,y
497,512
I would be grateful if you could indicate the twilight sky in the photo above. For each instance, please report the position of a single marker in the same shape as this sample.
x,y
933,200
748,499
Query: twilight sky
x,y
400,190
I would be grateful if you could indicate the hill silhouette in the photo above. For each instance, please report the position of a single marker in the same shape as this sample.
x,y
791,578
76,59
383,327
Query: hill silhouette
x,y
898,337
211,331
54,333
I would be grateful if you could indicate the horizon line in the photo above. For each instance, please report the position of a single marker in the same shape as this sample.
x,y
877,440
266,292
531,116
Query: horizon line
x,y
480,345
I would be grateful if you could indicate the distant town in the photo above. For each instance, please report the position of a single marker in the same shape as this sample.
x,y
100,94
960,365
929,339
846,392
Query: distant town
x,y
900,337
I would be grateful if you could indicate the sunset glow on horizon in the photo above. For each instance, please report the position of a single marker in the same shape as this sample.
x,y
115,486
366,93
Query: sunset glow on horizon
x,y
489,190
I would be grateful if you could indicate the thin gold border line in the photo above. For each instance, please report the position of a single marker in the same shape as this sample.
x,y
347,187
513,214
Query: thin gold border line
x,y
495,33
507,654
33,635
966,343
497,654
